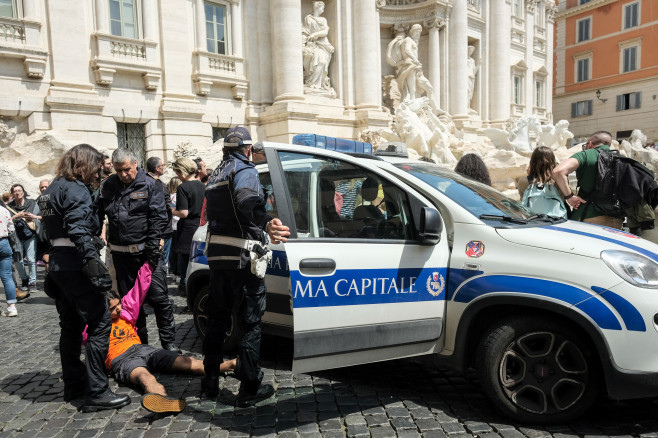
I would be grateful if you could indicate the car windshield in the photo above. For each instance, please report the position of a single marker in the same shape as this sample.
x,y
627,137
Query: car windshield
x,y
478,199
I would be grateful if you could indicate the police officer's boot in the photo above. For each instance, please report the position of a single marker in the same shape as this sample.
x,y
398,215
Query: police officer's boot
x,y
108,401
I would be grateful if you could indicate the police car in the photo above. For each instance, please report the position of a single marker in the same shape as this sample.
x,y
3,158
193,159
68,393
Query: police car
x,y
391,258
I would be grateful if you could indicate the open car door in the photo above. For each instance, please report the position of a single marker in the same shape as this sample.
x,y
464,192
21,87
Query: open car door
x,y
363,287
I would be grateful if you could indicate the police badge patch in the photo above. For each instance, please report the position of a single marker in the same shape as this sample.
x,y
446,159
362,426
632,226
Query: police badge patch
x,y
435,284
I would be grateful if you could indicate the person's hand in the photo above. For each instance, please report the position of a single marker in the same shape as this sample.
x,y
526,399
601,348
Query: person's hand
x,y
575,201
153,253
97,273
277,231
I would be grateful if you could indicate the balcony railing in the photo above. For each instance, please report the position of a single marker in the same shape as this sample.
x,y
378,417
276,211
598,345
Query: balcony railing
x,y
12,32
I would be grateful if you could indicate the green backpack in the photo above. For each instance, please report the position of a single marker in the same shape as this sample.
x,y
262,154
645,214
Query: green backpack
x,y
544,199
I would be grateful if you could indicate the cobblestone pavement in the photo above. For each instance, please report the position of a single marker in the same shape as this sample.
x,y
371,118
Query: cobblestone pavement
x,y
405,398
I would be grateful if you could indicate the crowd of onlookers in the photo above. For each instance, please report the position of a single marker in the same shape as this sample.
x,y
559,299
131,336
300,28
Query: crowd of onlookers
x,y
24,245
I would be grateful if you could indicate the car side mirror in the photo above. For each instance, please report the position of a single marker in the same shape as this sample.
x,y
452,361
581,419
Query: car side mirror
x,y
431,226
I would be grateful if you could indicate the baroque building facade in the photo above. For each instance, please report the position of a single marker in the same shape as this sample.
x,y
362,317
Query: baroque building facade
x,y
607,66
151,74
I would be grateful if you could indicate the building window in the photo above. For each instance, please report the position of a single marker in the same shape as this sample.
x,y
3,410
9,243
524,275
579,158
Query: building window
x,y
131,136
584,29
123,18
631,15
539,93
628,101
582,69
517,8
218,133
216,28
629,61
582,2
624,135
581,108
517,89
8,8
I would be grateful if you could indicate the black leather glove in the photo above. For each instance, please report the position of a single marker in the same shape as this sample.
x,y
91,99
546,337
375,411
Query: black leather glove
x,y
97,273
98,242
153,253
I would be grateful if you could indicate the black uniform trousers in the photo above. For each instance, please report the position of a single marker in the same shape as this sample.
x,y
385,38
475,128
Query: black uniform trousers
x,y
126,266
227,288
79,304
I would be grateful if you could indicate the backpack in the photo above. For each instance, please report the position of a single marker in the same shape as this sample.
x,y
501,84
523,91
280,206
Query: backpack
x,y
621,183
544,199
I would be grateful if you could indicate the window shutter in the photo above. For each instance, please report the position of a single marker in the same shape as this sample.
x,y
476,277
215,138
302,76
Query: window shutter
x,y
574,105
620,102
588,105
636,100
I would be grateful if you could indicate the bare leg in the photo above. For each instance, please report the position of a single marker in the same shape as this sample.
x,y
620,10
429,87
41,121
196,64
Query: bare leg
x,y
188,364
149,384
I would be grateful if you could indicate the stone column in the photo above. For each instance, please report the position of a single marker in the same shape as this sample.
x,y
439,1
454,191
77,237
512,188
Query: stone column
x,y
150,19
529,53
434,58
366,55
200,21
550,29
458,29
102,17
286,21
31,10
236,31
499,61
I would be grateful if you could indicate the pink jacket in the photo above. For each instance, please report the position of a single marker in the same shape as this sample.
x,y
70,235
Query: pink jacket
x,y
133,300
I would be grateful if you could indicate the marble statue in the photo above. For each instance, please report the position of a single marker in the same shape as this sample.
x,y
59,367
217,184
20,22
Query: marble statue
x,y
472,73
518,137
317,50
415,124
555,136
402,53
634,148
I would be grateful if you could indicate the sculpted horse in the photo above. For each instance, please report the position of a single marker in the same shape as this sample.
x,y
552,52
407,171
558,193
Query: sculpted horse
x,y
518,137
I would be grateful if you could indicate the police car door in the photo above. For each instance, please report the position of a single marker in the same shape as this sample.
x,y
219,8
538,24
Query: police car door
x,y
363,287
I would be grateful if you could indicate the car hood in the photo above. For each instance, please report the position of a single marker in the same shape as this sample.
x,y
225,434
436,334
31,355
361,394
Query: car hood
x,y
579,238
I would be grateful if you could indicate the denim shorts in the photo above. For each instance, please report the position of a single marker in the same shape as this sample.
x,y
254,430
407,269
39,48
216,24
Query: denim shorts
x,y
141,355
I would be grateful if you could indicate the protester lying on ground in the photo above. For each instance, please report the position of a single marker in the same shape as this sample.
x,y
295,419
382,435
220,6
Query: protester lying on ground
x,y
133,362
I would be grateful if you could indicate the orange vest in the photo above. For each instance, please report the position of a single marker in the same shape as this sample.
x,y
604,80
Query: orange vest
x,y
122,337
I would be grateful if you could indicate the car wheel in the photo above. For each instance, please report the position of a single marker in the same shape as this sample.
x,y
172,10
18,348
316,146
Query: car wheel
x,y
537,370
232,337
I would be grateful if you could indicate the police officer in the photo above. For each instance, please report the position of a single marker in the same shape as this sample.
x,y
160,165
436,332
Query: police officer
x,y
237,220
77,277
137,217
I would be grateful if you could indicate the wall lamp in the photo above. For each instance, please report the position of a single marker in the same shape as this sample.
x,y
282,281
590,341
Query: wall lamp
x,y
598,96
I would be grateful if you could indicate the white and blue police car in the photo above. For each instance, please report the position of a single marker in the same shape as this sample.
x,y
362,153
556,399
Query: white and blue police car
x,y
391,258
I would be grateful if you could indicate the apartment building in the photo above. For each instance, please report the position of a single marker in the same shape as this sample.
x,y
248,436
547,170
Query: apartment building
x,y
606,66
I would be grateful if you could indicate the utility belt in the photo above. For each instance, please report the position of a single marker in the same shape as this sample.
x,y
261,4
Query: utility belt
x,y
131,249
259,253
62,241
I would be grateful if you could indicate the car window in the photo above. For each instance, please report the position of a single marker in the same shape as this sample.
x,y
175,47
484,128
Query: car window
x,y
270,204
336,199
479,199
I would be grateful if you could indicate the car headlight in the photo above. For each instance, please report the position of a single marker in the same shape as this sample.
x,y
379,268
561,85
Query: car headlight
x,y
636,269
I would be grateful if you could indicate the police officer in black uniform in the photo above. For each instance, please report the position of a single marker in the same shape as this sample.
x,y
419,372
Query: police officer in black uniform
x,y
237,222
137,217
77,277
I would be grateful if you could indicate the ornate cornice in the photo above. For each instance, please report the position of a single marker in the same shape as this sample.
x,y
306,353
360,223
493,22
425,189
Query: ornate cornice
x,y
530,6
418,12
582,8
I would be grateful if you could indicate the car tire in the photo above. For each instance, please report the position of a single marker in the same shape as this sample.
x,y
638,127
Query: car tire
x,y
538,370
233,335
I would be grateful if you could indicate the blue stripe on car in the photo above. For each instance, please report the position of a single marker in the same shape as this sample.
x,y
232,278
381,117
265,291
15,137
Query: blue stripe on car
x,y
457,277
590,305
652,255
632,318
278,266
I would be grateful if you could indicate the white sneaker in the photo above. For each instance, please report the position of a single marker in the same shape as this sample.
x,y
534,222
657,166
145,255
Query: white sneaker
x,y
11,311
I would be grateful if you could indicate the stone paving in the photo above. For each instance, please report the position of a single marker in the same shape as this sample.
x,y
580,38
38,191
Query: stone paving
x,y
403,398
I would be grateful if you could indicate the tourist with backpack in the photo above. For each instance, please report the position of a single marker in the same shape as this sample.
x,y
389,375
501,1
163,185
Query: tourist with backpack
x,y
542,196
608,182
